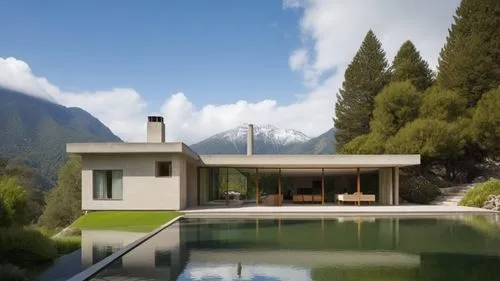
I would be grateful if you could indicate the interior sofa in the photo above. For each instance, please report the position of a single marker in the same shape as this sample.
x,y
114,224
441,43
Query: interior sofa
x,y
307,198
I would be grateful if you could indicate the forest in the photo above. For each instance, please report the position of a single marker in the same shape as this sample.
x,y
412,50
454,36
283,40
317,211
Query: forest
x,y
450,116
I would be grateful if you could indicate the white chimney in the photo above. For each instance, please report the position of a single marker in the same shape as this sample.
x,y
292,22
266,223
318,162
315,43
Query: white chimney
x,y
156,129
250,140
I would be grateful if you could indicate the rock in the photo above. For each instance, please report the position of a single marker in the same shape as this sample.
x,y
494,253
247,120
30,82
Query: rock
x,y
497,208
479,179
488,205
497,201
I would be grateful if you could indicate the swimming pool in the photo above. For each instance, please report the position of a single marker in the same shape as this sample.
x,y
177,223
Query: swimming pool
x,y
344,248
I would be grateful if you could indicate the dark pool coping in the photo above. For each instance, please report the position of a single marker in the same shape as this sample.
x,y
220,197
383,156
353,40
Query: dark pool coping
x,y
95,268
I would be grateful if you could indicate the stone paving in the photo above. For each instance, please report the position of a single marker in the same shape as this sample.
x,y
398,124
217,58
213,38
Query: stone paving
x,y
337,210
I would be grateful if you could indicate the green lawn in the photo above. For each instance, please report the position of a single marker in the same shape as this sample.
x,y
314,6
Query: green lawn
x,y
135,221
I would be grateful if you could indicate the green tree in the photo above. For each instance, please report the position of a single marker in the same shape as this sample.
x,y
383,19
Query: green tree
x,y
438,142
5,219
13,197
397,104
63,203
469,62
442,104
365,76
409,65
27,179
372,143
485,125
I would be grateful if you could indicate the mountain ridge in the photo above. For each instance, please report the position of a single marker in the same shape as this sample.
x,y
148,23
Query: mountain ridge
x,y
36,131
268,139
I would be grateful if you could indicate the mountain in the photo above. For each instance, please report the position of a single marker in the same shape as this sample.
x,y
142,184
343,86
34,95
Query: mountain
x,y
268,139
322,144
36,131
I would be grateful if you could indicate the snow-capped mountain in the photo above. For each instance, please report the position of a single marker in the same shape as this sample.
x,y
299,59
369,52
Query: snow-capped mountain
x,y
266,133
268,139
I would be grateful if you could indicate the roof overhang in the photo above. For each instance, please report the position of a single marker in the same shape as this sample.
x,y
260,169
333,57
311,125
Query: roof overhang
x,y
312,161
130,148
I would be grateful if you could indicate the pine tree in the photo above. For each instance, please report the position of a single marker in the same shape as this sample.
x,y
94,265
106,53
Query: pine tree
x,y
409,65
365,76
469,62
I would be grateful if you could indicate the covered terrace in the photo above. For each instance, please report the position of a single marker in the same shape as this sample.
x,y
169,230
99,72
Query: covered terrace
x,y
274,180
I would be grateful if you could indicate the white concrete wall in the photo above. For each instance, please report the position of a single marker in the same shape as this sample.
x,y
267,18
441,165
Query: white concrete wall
x,y
142,190
385,186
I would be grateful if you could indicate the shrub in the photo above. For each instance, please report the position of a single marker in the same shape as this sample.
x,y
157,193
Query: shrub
x,y
9,272
25,247
14,199
476,196
66,245
5,219
417,189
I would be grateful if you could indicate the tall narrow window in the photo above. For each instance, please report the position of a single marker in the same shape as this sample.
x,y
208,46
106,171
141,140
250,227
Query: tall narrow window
x,y
108,184
164,169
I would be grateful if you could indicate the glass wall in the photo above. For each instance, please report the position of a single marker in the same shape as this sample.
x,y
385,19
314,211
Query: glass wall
x,y
227,184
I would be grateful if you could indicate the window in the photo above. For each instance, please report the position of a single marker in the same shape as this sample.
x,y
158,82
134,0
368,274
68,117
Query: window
x,y
162,258
164,169
108,184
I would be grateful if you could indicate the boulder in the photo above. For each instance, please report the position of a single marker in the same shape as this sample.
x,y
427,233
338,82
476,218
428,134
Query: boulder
x,y
489,205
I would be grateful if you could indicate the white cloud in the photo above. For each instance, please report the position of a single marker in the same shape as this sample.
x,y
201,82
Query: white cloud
x,y
298,59
331,33
335,29
122,110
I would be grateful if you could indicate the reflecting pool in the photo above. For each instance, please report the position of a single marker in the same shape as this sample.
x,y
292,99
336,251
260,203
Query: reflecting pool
x,y
349,248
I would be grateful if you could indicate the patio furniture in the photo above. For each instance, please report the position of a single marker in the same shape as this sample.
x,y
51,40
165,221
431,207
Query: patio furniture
x,y
273,200
355,197
307,198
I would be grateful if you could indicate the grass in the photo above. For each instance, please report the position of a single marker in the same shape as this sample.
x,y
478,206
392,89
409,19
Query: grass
x,y
476,196
25,248
134,221
67,244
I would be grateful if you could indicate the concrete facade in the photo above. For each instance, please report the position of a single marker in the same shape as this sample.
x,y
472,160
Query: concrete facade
x,y
143,187
142,190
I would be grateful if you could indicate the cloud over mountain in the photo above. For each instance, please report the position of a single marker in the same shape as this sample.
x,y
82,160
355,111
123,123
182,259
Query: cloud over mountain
x,y
331,33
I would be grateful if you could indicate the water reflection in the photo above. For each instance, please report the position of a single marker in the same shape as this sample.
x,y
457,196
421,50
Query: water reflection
x,y
305,249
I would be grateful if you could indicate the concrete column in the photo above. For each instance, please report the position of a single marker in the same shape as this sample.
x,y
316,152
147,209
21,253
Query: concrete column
x,y
395,184
385,186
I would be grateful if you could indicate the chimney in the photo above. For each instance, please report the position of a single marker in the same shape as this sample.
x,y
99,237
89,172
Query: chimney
x,y
156,129
250,140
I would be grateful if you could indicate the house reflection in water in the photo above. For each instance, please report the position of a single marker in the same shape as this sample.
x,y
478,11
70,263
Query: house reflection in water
x,y
361,248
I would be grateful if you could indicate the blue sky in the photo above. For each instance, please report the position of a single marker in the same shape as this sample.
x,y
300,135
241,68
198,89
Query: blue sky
x,y
206,66
214,51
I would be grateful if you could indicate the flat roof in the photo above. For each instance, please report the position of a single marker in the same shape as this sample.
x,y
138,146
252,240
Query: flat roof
x,y
313,160
130,147
252,161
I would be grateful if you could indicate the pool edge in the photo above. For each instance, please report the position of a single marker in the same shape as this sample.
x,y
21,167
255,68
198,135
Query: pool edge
x,y
95,268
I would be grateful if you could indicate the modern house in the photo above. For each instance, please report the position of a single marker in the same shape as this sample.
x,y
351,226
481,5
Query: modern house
x,y
159,175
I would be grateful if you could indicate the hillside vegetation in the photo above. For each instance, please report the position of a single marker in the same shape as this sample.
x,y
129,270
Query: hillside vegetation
x,y
36,131
451,117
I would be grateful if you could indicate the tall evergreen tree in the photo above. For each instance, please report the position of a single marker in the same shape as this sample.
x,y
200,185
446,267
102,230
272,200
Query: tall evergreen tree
x,y
469,62
365,76
409,65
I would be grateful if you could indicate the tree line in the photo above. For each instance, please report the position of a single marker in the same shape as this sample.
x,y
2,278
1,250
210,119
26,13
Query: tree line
x,y
23,202
451,117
